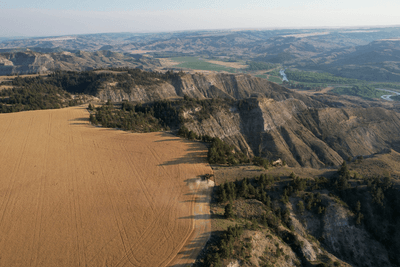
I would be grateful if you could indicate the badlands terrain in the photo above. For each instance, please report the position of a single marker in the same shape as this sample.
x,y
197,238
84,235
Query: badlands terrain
x,y
75,194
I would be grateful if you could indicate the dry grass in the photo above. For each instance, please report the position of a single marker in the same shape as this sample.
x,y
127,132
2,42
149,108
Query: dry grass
x,y
168,63
234,65
312,92
77,195
378,165
225,173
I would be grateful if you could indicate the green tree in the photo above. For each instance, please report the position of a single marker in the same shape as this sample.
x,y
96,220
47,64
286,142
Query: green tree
x,y
229,211
223,197
192,135
300,206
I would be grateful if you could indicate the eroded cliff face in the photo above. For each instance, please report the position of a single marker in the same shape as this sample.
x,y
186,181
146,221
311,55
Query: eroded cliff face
x,y
271,121
301,135
225,124
227,86
24,62
338,233
359,131
284,134
138,93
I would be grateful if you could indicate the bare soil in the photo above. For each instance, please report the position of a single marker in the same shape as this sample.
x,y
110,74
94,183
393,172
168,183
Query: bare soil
x,y
72,194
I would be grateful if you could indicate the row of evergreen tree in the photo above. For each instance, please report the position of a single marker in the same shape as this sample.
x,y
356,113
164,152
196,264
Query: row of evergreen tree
x,y
35,96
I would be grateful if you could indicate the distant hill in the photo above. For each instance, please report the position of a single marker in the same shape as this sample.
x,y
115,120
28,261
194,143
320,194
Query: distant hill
x,y
376,61
363,53
36,62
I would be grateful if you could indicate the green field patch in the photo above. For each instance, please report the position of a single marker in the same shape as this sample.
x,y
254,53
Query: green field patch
x,y
254,66
196,63
275,79
366,91
270,78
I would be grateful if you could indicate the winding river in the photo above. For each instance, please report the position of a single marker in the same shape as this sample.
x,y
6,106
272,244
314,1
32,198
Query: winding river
x,y
283,74
387,97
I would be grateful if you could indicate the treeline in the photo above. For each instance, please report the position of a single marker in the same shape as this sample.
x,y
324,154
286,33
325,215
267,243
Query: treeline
x,y
314,77
88,82
367,91
34,96
54,90
138,118
168,114
70,81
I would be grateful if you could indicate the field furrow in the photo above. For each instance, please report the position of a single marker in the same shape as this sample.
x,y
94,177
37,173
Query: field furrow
x,y
76,195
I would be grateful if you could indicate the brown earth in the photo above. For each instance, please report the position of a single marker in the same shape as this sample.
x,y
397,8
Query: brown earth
x,y
76,195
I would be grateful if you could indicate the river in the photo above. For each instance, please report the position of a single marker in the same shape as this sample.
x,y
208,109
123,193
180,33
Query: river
x,y
283,74
387,97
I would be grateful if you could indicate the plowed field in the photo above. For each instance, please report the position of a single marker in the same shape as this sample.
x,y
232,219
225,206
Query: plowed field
x,y
76,195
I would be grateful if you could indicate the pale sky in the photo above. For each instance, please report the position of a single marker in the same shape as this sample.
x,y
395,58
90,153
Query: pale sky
x,y
54,17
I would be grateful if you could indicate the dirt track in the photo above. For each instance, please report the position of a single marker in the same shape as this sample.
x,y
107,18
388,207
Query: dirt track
x,y
76,195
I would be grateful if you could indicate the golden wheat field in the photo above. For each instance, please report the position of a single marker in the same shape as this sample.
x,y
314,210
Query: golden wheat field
x,y
72,194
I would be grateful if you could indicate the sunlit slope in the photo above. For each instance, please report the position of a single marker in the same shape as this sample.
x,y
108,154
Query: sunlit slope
x,y
76,195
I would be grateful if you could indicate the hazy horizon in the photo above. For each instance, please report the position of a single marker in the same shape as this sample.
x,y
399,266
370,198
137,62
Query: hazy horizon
x,y
24,18
205,30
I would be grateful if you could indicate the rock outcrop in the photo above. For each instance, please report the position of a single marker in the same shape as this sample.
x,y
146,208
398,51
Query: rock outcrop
x,y
273,122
